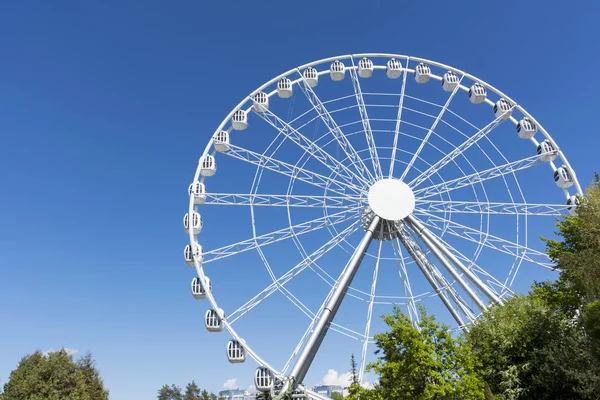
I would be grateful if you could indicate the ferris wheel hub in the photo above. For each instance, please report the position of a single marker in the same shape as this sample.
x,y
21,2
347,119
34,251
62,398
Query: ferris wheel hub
x,y
391,199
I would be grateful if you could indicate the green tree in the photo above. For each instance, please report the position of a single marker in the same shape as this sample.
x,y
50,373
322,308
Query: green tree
x,y
353,373
55,376
422,364
530,351
336,395
205,395
192,391
263,396
172,392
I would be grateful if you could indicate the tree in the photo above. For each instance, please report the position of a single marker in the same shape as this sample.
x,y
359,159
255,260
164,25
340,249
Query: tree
x,y
263,396
530,351
353,374
172,392
339,396
422,364
55,376
192,391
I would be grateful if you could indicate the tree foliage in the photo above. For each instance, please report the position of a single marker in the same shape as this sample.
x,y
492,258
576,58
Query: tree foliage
x,y
55,376
424,363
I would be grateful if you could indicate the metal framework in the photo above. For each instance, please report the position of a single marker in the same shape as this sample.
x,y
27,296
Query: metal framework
x,y
470,208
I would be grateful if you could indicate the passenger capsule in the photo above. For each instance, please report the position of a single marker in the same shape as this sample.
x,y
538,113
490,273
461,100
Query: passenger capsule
x,y
572,204
213,322
337,70
188,256
208,165
477,93
263,379
261,102
198,190
365,68
563,177
449,81
311,76
422,73
393,69
502,109
239,121
198,290
546,151
196,223
526,129
236,353
284,88
221,141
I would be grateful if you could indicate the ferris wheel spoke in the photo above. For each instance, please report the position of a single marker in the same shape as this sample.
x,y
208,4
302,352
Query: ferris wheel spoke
x,y
432,129
289,170
480,176
276,200
475,207
483,132
427,268
312,148
335,130
279,235
486,239
365,121
363,358
292,273
398,119
413,313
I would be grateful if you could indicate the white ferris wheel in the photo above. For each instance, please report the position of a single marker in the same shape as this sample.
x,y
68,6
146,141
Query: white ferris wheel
x,y
426,175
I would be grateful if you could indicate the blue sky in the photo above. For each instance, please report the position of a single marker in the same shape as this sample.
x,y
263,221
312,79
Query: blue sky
x,y
106,107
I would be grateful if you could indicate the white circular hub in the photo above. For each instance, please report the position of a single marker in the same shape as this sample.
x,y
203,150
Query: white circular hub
x,y
391,199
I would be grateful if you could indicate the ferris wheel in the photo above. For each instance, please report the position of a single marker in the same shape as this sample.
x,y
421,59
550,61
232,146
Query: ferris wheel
x,y
423,175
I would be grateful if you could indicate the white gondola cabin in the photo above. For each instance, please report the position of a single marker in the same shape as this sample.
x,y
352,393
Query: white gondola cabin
x,y
546,151
198,290
477,93
208,165
263,379
337,70
221,141
502,109
563,177
261,102
239,121
422,73
284,88
572,204
311,76
196,225
236,353
213,322
198,190
526,129
393,69
365,68
449,81
188,255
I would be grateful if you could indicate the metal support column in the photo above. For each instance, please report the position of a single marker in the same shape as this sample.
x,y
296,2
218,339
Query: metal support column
x,y
335,300
425,233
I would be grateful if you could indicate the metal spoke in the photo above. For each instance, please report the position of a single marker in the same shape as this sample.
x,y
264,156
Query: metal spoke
x,y
483,132
479,177
328,312
431,130
398,119
475,207
279,235
312,148
335,130
277,200
289,170
413,313
363,358
365,120
490,241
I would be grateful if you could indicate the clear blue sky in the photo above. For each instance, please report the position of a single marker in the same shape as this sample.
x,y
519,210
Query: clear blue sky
x,y
106,106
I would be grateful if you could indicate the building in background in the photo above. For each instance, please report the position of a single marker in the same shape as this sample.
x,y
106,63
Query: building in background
x,y
236,394
328,390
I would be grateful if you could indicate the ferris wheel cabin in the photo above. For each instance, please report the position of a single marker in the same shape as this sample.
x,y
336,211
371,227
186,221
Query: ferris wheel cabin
x,y
422,73
196,225
284,88
477,93
198,289
221,141
546,151
393,69
263,379
311,77
239,121
572,204
208,165
337,70
563,177
449,81
502,109
261,102
198,190
213,322
365,68
188,255
236,353
526,129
